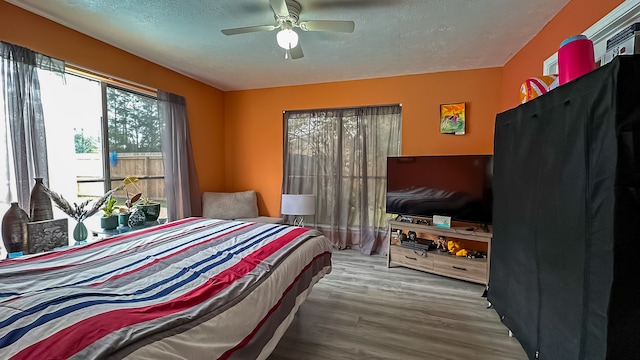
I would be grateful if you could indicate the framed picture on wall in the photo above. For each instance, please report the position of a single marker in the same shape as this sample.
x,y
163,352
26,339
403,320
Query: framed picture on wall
x,y
453,118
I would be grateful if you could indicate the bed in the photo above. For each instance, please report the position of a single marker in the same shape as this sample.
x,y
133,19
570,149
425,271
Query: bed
x,y
190,289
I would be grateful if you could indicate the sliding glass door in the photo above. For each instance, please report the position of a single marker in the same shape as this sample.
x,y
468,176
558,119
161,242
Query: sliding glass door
x,y
135,142
73,121
88,156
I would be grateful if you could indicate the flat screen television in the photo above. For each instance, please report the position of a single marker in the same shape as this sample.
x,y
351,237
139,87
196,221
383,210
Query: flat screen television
x,y
459,186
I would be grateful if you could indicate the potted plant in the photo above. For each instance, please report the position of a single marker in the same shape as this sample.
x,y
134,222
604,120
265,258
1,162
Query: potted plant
x,y
151,209
125,212
123,216
109,220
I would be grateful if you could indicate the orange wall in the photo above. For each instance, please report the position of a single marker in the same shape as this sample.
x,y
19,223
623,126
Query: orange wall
x,y
576,17
204,103
240,147
254,129
254,124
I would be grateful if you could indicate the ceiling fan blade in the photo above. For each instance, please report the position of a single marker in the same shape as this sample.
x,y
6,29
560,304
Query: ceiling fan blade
x,y
279,7
296,52
248,29
328,25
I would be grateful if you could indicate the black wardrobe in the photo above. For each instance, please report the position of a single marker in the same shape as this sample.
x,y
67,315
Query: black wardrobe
x,y
565,255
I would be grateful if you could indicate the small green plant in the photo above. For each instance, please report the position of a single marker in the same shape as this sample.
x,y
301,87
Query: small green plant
x,y
110,207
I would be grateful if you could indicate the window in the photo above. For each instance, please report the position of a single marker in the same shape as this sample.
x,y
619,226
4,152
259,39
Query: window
x,y
86,131
340,155
135,141
99,133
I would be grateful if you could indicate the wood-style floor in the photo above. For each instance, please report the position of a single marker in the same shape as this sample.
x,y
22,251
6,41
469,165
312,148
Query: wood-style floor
x,y
363,310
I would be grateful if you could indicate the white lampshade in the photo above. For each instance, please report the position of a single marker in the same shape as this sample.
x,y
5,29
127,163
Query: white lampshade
x,y
302,204
287,39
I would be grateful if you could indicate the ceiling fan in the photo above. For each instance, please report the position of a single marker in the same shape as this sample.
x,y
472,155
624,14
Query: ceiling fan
x,y
287,15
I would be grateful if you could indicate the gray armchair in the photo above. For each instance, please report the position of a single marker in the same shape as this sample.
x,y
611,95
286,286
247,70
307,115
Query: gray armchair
x,y
235,206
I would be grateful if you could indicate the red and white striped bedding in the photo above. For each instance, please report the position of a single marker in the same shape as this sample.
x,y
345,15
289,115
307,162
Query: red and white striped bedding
x,y
195,288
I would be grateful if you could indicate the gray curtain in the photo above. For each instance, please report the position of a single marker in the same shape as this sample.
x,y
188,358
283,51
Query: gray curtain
x,y
26,148
184,197
340,155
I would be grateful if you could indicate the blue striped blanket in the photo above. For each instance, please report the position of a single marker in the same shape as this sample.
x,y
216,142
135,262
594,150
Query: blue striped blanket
x,y
151,293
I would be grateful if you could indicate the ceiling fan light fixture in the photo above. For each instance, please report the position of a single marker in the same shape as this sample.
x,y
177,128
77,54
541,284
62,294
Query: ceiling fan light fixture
x,y
287,39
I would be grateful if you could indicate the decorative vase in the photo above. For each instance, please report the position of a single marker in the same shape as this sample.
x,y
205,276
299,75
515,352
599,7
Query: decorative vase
x,y
151,211
14,231
80,233
40,204
109,222
137,218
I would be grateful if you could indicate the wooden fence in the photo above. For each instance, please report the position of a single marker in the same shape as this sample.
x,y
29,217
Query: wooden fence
x,y
134,164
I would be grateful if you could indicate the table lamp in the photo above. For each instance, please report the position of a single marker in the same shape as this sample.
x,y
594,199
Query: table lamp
x,y
298,205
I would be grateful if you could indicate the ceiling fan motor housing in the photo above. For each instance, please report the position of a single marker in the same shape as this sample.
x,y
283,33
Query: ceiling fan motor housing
x,y
294,8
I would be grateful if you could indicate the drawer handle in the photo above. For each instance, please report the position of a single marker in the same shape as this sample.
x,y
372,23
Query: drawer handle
x,y
459,268
411,258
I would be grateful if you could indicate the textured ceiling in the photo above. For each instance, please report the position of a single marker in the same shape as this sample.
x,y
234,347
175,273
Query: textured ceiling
x,y
391,37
